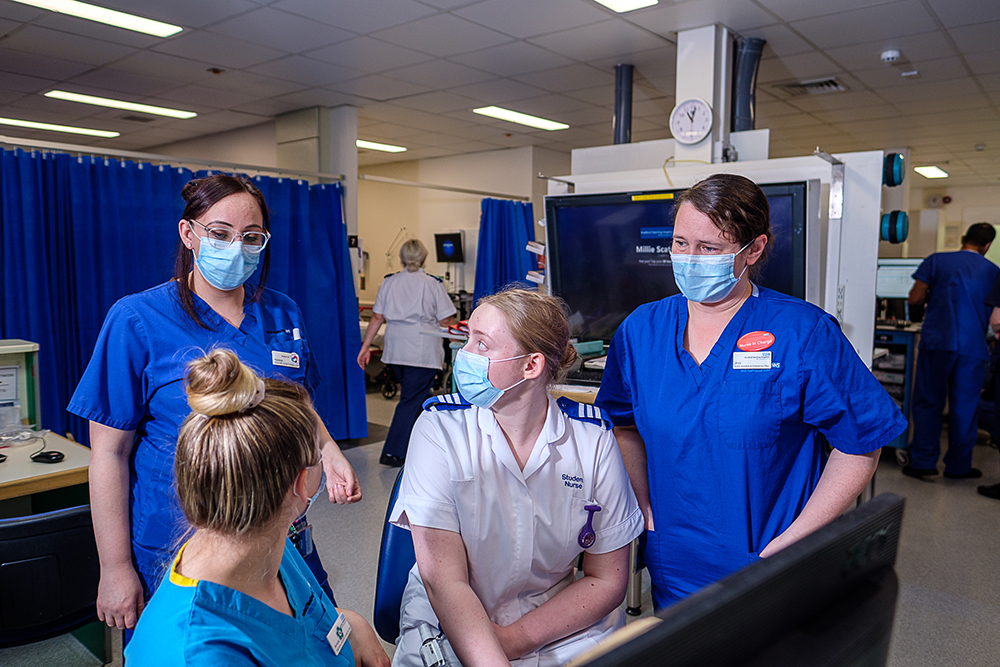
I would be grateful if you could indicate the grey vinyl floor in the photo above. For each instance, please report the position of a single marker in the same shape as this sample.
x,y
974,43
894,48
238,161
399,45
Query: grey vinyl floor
x,y
947,613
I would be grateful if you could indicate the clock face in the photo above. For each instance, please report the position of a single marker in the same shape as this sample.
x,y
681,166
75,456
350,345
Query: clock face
x,y
691,121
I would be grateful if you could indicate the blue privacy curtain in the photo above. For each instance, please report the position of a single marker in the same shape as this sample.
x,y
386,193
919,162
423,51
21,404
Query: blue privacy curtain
x,y
505,227
77,234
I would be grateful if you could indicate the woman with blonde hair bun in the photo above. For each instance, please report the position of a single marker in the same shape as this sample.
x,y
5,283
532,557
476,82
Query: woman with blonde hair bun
x,y
247,465
503,489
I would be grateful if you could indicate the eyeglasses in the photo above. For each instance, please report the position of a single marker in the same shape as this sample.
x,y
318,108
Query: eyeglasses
x,y
221,238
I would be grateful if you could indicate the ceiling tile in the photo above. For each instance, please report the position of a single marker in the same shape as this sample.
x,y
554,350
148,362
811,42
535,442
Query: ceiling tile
x,y
796,68
218,50
105,81
548,106
832,101
255,84
534,18
512,59
378,87
600,40
954,13
990,82
23,13
205,97
867,25
321,97
34,64
666,18
956,118
498,91
794,10
358,17
602,95
919,91
984,63
306,70
268,107
442,35
857,113
980,38
280,30
419,119
912,48
24,84
944,69
368,55
561,79
781,41
589,116
923,104
163,66
435,102
440,74
101,31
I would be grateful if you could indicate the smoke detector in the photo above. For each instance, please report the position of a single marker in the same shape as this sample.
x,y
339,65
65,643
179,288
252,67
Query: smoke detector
x,y
890,55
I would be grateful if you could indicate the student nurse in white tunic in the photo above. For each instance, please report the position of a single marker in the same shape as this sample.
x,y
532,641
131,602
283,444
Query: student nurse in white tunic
x,y
413,304
503,488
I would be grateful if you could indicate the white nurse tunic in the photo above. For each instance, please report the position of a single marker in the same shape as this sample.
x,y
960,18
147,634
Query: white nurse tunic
x,y
520,528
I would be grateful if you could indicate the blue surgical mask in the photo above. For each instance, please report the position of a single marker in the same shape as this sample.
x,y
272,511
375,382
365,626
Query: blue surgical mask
x,y
472,375
225,268
706,278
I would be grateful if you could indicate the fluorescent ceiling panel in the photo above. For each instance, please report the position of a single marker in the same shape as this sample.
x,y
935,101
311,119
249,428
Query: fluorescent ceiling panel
x,y
520,118
119,104
107,16
622,6
57,128
931,172
373,146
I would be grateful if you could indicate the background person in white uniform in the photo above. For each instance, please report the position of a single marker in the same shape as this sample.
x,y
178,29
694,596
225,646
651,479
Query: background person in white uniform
x,y
496,493
410,301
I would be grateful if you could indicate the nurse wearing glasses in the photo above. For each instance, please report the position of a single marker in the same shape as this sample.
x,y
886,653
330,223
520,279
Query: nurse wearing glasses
x,y
132,391
721,397
503,489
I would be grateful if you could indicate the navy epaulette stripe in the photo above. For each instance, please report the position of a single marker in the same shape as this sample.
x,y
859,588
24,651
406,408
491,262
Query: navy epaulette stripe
x,y
583,412
446,402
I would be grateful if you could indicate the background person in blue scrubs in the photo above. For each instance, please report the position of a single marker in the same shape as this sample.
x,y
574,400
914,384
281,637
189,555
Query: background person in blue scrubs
x,y
953,353
238,593
133,388
721,396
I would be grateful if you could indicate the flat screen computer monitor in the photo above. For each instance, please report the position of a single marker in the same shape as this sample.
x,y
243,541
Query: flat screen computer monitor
x,y
449,247
609,253
894,277
826,601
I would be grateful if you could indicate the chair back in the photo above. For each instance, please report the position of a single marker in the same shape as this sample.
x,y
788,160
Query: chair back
x,y
49,573
395,560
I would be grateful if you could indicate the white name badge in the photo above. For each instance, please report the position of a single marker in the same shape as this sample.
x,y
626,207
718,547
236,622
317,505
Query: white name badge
x,y
751,361
286,359
338,634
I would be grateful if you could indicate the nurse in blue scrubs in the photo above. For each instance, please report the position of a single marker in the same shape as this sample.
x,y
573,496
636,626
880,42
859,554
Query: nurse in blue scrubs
x,y
132,391
721,396
238,592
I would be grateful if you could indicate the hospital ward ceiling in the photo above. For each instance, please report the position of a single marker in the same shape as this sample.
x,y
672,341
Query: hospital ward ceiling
x,y
416,68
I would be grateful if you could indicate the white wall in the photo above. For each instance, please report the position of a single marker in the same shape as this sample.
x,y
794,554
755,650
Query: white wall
x,y
968,205
256,145
383,209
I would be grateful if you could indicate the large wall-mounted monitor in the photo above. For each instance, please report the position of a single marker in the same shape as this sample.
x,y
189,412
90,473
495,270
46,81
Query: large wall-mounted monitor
x,y
609,253
894,277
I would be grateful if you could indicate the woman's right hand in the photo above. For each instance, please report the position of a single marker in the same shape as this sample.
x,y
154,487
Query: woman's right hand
x,y
363,356
119,597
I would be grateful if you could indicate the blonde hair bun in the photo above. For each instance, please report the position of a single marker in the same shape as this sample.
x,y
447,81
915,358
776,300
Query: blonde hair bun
x,y
220,384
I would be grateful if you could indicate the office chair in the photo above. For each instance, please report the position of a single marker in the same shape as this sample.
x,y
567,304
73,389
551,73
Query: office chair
x,y
395,559
49,572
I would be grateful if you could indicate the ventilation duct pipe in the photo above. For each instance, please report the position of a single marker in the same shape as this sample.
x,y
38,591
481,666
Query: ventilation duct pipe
x,y
745,66
623,104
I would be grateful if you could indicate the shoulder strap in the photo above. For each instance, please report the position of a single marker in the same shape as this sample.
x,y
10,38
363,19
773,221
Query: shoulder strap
x,y
583,412
446,402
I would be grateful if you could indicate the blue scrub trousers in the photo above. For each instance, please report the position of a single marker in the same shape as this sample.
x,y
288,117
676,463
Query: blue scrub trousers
x,y
958,377
415,386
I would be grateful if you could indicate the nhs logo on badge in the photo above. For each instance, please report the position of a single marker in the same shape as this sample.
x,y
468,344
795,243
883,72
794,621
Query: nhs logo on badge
x,y
572,481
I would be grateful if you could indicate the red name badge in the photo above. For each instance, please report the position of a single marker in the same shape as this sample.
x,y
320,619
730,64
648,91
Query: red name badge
x,y
755,341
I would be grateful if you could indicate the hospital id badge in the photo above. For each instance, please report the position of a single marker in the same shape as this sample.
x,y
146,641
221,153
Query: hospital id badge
x,y
339,633
754,361
286,359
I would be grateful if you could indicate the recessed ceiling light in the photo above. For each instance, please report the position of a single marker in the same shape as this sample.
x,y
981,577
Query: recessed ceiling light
x,y
57,128
622,6
520,118
119,104
931,172
107,16
374,146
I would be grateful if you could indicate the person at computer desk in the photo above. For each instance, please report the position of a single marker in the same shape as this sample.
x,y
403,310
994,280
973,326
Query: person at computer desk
x,y
503,490
238,592
132,391
720,395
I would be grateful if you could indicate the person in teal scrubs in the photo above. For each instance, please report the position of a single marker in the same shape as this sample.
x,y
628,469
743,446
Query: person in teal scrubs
x,y
238,593
132,391
721,397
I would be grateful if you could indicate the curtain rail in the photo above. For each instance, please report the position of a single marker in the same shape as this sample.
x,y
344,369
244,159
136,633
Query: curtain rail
x,y
447,188
170,159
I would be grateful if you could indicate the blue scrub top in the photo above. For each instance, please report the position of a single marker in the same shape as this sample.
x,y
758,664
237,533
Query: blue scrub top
x,y
135,381
734,454
957,316
191,622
